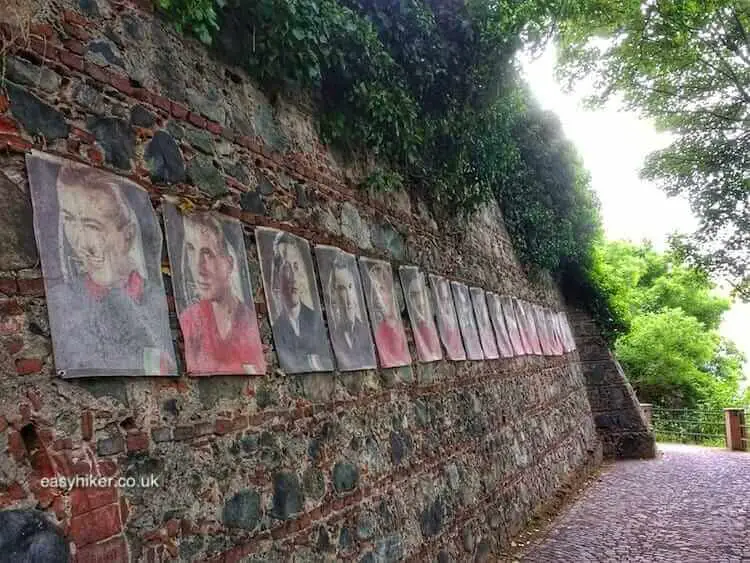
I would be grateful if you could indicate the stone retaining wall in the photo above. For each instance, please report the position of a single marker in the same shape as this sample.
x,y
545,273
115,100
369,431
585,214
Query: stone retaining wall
x,y
443,460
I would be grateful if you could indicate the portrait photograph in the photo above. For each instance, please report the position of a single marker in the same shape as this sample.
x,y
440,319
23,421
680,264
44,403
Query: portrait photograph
x,y
385,316
419,307
504,347
543,329
514,331
484,325
570,343
212,291
348,324
526,319
557,343
100,246
466,321
291,289
450,334
523,326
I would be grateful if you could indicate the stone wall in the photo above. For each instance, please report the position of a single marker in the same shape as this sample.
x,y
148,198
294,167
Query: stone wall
x,y
620,421
444,460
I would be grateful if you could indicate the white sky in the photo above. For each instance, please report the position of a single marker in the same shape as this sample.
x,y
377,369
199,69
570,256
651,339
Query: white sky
x,y
613,145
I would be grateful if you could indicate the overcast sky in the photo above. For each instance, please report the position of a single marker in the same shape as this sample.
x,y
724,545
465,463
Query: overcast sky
x,y
613,145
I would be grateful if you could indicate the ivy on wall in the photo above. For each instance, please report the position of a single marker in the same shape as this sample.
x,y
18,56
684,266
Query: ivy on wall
x,y
431,89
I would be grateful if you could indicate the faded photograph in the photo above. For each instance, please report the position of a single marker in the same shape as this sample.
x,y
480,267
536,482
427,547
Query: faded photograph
x,y
450,334
570,343
557,343
212,292
100,246
420,314
293,302
484,326
348,325
527,321
514,331
502,337
543,329
523,326
385,317
466,321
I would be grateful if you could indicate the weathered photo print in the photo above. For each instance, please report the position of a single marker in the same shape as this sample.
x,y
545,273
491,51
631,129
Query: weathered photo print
x,y
100,246
544,332
502,337
293,302
514,332
528,326
450,334
484,326
466,322
212,291
523,326
557,343
420,314
348,324
390,339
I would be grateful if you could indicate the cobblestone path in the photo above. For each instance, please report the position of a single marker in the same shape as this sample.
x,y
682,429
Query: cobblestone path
x,y
691,504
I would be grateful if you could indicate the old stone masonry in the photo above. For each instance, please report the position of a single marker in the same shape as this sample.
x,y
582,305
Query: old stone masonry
x,y
427,460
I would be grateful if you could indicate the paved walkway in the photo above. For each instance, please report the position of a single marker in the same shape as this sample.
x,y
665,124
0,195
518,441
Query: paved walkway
x,y
691,504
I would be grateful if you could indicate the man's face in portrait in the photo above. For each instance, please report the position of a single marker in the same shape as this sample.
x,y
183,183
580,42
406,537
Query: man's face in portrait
x,y
292,276
383,296
99,231
209,262
418,299
345,295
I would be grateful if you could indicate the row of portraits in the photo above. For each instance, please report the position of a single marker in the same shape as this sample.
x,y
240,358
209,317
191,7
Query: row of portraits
x,y
101,245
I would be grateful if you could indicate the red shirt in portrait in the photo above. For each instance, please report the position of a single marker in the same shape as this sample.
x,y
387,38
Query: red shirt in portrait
x,y
206,352
391,344
427,341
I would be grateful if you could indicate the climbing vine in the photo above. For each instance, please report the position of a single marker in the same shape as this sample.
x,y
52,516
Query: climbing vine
x,y
430,88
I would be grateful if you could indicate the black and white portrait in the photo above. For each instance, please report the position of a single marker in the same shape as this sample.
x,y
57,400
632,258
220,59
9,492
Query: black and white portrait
x,y
504,346
100,246
348,324
293,302
466,321
484,325
514,331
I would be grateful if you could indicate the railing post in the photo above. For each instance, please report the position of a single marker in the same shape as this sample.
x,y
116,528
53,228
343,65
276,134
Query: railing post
x,y
734,427
648,412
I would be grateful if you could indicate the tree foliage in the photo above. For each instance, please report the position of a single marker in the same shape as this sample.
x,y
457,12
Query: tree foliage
x,y
686,64
670,349
429,88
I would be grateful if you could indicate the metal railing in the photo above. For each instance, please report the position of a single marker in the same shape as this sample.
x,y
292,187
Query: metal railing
x,y
689,426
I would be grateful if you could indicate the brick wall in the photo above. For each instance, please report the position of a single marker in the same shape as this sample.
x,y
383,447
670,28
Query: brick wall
x,y
445,460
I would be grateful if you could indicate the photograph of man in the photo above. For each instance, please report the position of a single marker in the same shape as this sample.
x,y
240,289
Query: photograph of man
x,y
213,296
466,321
570,343
527,321
446,317
506,304
498,323
100,247
348,325
486,335
385,316
293,302
544,333
420,312
523,326
557,344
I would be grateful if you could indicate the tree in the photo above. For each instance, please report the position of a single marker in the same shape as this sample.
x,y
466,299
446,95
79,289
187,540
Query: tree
x,y
685,64
667,355
671,350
